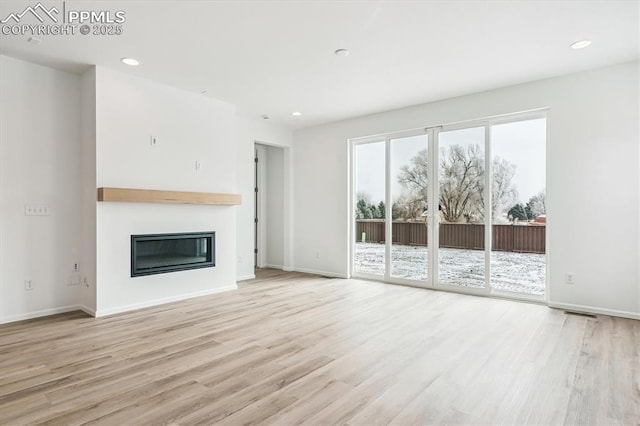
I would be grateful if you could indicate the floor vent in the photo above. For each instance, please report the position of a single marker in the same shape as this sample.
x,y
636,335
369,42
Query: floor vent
x,y
581,314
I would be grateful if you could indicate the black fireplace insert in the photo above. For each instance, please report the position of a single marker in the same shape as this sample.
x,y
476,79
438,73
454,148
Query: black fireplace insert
x,y
161,253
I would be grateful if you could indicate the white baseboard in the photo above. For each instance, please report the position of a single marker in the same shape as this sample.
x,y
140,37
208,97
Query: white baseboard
x,y
149,303
87,310
269,265
245,277
317,272
594,310
40,313
111,311
288,269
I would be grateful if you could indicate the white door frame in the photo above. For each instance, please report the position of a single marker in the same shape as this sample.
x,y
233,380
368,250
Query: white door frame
x,y
261,208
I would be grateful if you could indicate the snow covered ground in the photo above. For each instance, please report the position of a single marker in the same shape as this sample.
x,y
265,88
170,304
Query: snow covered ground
x,y
515,272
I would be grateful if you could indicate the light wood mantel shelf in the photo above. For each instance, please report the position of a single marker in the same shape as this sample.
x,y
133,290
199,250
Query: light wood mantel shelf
x,y
130,195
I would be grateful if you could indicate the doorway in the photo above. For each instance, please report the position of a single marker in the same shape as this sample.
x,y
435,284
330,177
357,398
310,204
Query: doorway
x,y
269,206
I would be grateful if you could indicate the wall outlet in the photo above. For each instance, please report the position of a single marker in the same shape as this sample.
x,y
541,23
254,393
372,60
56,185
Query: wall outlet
x,y
75,267
36,210
153,141
28,284
569,278
198,165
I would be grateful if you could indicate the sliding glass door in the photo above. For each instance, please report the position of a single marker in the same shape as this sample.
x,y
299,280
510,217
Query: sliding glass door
x,y
370,211
409,171
455,207
518,207
461,204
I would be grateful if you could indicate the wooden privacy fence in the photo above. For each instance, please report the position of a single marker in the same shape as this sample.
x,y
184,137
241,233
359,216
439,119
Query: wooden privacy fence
x,y
517,238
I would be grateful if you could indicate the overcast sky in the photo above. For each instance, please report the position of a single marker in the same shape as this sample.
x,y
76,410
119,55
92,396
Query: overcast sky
x,y
521,143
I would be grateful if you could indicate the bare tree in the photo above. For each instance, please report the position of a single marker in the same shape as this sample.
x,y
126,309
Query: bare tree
x,y
461,176
415,177
461,182
408,206
537,204
503,192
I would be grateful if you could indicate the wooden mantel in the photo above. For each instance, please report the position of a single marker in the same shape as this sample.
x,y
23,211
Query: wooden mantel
x,y
130,195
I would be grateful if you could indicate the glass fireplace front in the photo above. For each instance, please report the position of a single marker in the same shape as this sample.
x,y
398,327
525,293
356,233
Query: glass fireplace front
x,y
161,253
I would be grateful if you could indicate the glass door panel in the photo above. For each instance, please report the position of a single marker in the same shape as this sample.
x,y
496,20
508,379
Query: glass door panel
x,y
370,210
461,182
409,164
519,215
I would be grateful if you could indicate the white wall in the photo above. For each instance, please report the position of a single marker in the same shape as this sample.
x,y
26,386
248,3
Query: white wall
x,y
275,206
39,164
248,132
88,192
244,213
593,183
189,127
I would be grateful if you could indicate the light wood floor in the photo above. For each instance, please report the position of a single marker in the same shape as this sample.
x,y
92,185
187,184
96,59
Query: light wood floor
x,y
290,348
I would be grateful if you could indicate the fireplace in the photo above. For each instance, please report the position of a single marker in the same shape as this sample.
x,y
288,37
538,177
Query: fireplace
x,y
161,253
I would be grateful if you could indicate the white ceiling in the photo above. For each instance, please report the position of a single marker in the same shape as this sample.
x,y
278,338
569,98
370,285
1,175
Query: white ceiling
x,y
276,57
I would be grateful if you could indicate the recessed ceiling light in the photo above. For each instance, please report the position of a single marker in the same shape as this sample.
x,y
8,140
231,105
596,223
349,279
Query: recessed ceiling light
x,y
130,61
204,92
34,40
264,116
580,44
342,52
296,114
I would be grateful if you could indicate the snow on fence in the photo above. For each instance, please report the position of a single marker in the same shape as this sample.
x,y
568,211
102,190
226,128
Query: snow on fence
x,y
516,238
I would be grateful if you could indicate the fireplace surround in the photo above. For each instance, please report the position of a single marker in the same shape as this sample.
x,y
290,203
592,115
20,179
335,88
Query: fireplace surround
x,y
162,253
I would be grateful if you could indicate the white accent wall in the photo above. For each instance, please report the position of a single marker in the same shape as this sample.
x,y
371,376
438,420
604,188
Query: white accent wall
x,y
593,191
189,127
40,165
